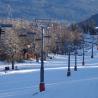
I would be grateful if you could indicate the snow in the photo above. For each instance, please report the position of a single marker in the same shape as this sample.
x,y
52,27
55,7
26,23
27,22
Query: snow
x,y
24,82
81,84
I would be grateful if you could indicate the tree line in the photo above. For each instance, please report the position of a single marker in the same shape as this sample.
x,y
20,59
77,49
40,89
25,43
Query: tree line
x,y
23,39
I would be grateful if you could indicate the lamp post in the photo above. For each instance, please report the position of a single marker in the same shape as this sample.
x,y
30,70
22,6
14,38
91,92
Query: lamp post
x,y
92,55
68,71
75,53
75,67
13,61
83,63
42,84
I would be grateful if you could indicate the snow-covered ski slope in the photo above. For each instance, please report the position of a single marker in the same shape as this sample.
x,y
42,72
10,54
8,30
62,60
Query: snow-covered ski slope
x,y
24,83
81,84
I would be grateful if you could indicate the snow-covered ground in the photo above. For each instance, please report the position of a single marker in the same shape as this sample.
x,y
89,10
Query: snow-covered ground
x,y
81,84
24,83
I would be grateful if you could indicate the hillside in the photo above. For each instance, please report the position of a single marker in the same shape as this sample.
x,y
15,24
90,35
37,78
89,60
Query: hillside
x,y
67,10
90,22
94,18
